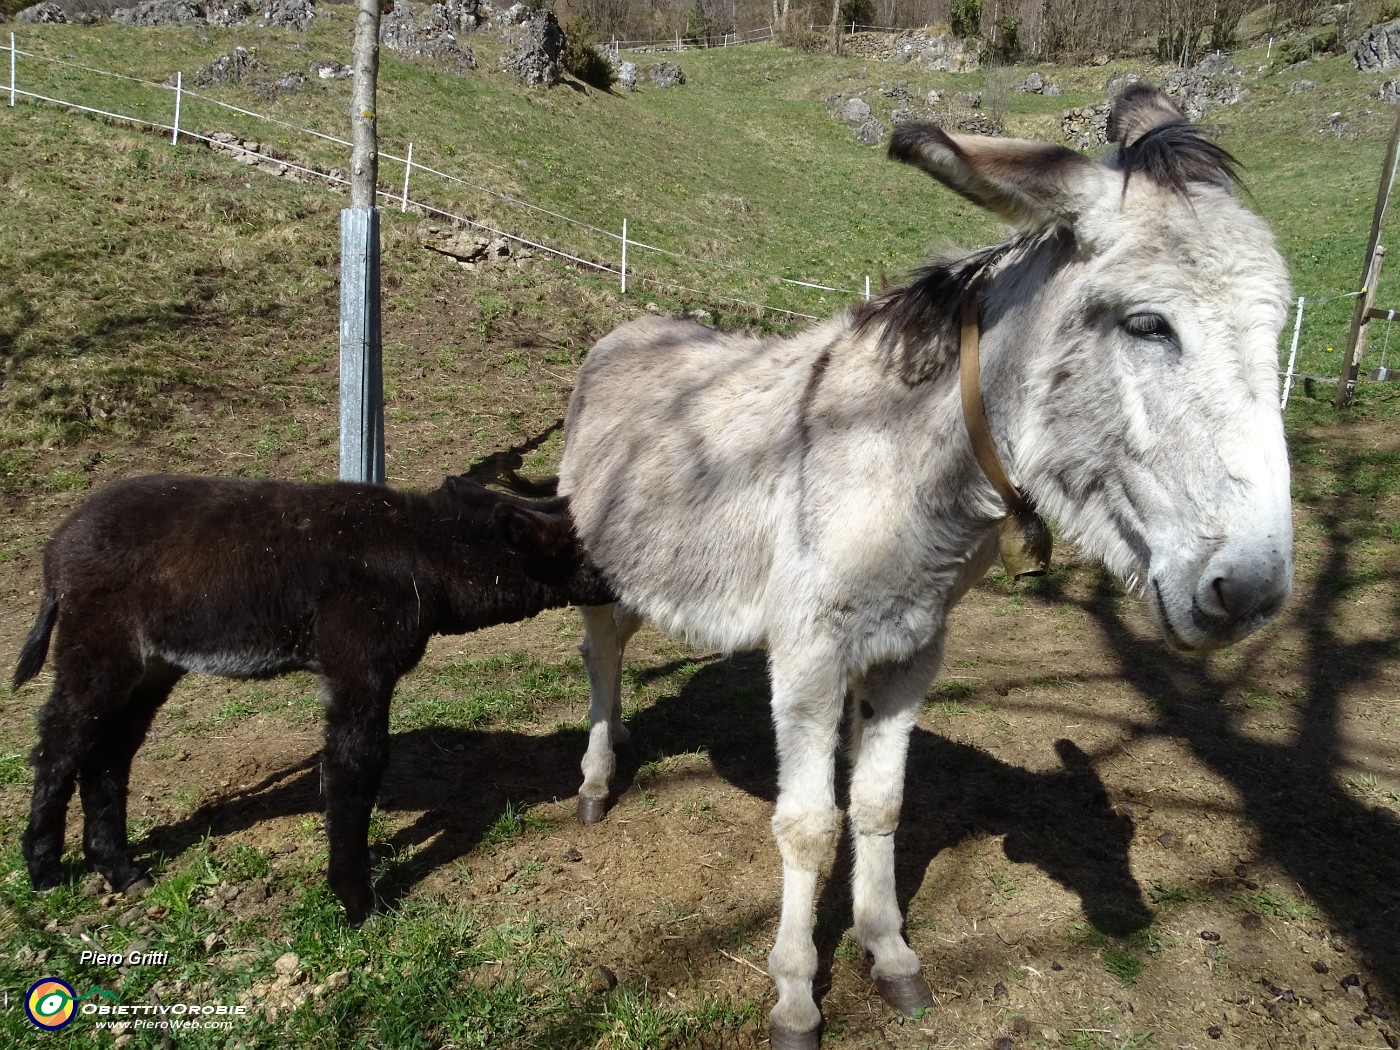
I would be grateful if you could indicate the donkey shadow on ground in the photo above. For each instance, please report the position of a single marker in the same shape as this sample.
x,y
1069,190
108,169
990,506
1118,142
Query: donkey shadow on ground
x,y
463,781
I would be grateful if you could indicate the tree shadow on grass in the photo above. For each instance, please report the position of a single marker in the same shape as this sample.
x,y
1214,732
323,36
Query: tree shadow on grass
x,y
1342,853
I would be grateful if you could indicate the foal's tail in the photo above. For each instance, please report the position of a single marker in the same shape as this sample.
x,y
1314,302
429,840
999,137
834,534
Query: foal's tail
x,y
36,648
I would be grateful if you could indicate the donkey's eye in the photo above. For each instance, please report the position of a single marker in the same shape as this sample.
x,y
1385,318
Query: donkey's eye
x,y
1148,326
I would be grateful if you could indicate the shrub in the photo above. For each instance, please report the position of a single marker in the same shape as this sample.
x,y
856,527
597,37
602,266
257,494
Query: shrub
x,y
801,37
587,63
862,12
966,18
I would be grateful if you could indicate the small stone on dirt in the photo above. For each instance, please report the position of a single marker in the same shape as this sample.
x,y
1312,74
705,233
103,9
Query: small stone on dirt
x,y
1319,966
1210,935
1166,839
572,855
1020,1027
601,981
1004,1043
287,964
1000,992
1214,1031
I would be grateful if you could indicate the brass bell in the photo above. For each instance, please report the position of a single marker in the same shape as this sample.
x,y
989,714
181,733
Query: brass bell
x,y
1025,544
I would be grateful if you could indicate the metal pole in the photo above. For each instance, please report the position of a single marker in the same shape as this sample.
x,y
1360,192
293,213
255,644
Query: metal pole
x,y
1292,356
12,70
624,256
361,344
179,90
867,288
361,352
407,167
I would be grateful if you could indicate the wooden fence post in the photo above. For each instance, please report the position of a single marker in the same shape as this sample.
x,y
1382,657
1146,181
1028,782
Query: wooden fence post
x,y
1346,382
361,344
1360,329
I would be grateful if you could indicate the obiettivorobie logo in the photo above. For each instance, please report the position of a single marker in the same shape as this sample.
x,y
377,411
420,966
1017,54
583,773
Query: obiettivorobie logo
x,y
51,1003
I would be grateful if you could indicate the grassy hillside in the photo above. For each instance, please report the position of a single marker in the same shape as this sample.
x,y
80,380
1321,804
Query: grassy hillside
x,y
131,266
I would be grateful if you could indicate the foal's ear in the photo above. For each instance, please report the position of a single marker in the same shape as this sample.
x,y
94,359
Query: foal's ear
x,y
531,530
1029,184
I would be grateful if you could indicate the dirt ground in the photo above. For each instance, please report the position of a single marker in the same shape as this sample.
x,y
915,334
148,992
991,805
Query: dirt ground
x,y
1103,844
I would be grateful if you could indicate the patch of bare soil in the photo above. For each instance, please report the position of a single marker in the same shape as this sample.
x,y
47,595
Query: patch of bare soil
x,y
1103,844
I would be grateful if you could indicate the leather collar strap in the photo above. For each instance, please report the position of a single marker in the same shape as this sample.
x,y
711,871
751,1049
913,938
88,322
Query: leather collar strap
x,y
975,412
1025,542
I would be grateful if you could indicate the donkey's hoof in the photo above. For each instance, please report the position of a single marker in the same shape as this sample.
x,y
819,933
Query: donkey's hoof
x,y
591,809
139,887
906,994
786,1039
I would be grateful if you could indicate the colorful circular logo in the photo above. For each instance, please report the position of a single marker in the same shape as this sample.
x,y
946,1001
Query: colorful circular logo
x,y
50,1003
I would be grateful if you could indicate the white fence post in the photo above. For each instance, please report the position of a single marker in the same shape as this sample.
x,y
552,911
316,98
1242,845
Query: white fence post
x,y
1292,356
12,70
624,256
179,90
407,167
867,288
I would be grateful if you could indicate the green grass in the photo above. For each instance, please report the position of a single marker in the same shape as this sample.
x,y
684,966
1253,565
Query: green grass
x,y
501,689
1269,904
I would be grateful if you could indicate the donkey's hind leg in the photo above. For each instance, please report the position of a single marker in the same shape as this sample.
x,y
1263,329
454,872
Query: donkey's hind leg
x,y
103,780
886,705
606,631
91,685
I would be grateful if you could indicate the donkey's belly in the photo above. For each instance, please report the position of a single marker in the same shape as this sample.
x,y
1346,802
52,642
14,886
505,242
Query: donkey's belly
x,y
680,463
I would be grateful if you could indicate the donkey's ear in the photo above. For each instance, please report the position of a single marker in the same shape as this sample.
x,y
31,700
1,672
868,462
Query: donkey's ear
x,y
1137,110
530,530
1029,184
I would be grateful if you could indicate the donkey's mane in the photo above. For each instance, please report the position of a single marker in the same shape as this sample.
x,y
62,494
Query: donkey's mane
x,y
920,322
1176,154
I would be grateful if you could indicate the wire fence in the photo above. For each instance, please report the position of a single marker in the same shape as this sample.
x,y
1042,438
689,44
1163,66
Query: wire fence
x,y
611,252
169,106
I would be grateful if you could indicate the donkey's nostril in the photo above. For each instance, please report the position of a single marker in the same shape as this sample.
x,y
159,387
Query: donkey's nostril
x,y
1247,590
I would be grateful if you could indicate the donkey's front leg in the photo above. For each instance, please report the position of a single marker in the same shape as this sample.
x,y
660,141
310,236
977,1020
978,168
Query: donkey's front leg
x,y
886,705
808,691
606,631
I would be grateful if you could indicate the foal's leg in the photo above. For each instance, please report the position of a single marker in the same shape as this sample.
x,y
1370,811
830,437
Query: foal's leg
x,y
352,765
92,680
809,689
606,630
886,706
104,777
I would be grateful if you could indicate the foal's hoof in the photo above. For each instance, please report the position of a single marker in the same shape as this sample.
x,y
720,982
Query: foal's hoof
x,y
139,887
591,809
787,1039
906,994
